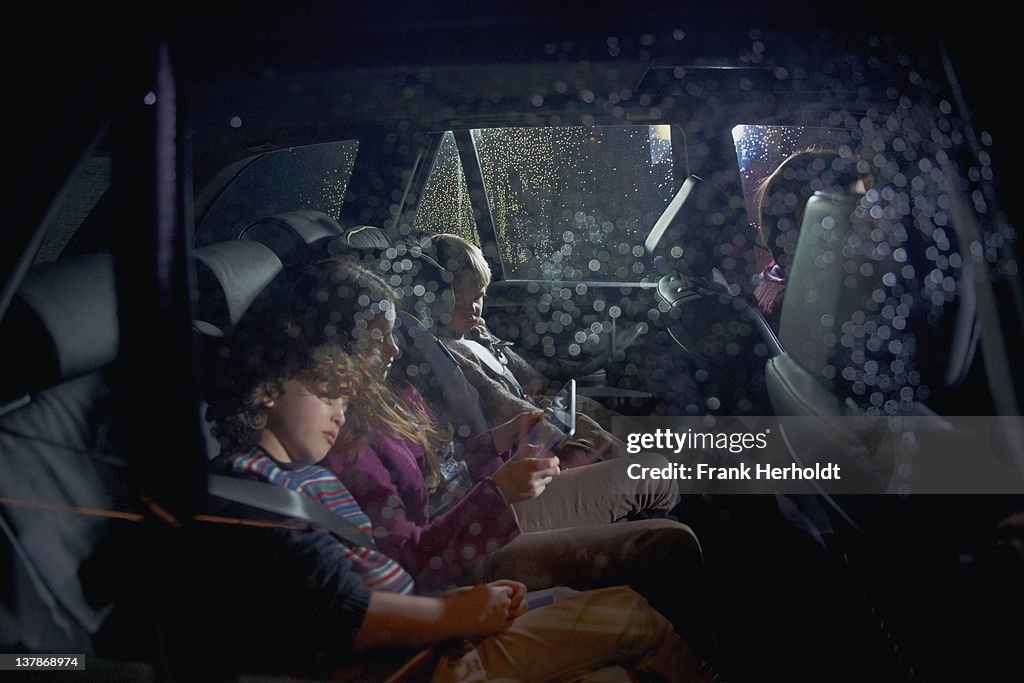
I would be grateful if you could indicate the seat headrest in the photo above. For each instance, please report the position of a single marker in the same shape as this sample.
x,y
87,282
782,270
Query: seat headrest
x,y
367,237
361,239
231,275
429,295
289,234
878,311
61,324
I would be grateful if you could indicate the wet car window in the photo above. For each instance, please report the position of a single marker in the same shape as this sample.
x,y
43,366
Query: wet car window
x,y
309,177
575,203
445,205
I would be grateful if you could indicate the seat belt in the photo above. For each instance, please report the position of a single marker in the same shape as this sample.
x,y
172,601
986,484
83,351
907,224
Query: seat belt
x,y
287,503
494,364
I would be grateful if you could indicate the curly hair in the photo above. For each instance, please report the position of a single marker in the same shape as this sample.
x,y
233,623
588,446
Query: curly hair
x,y
341,299
254,366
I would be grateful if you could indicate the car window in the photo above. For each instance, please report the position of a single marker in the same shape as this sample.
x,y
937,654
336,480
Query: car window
x,y
445,205
574,203
309,177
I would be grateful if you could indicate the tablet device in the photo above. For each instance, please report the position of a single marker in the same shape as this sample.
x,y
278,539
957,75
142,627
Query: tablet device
x,y
561,415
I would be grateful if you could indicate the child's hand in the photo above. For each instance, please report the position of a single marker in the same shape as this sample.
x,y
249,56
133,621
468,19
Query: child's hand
x,y
517,607
525,475
482,610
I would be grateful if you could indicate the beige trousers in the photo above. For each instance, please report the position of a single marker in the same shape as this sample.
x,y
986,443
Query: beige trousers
x,y
574,639
593,494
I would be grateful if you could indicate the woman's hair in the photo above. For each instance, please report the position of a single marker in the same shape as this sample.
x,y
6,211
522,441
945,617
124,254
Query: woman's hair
x,y
780,199
341,299
462,258
781,196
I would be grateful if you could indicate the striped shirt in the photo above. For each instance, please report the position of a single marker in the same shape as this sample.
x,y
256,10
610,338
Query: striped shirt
x,y
378,571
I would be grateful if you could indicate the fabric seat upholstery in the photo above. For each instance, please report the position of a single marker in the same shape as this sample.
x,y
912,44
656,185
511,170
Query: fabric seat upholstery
x,y
59,476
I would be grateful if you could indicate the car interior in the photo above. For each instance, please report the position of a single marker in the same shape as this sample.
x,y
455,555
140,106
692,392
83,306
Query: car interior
x,y
607,171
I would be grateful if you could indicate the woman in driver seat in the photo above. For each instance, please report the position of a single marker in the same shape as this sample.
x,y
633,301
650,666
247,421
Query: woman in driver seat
x,y
780,199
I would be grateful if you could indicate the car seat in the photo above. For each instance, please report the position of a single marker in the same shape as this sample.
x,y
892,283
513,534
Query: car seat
x,y
61,484
289,235
878,320
231,276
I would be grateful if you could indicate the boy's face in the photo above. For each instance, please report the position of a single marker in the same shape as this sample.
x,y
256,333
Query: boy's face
x,y
469,305
302,426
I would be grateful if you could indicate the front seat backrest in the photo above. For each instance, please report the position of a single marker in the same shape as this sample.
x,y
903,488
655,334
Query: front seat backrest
x,y
878,317
58,474
870,313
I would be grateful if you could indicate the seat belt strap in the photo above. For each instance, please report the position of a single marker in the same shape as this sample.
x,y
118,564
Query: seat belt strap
x,y
287,503
494,364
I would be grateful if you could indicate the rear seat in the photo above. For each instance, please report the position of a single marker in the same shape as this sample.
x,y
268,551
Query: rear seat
x,y
233,278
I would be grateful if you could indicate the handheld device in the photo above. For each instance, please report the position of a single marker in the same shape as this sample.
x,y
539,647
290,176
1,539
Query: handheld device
x,y
560,414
